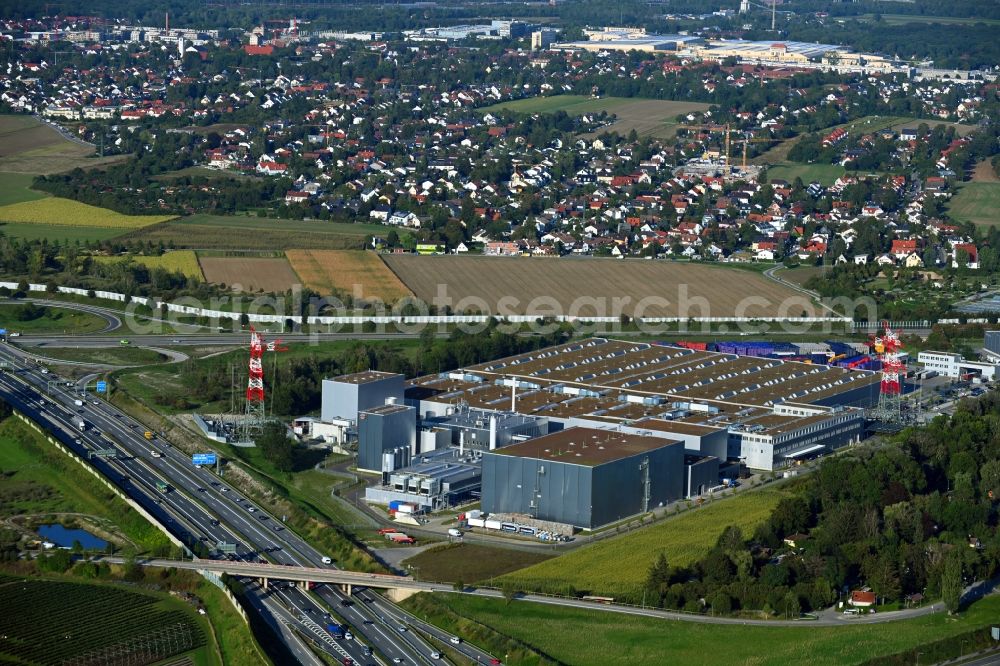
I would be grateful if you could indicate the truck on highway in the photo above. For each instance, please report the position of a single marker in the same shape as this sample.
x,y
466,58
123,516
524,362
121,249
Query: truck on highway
x,y
336,630
148,434
78,403
81,424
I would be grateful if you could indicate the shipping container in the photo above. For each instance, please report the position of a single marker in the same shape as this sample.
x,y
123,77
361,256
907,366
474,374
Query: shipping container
x,y
492,524
394,504
476,522
406,508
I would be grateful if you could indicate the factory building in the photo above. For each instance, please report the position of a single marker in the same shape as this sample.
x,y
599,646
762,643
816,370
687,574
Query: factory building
x,y
630,41
768,53
345,396
952,365
583,477
769,411
991,342
433,481
387,430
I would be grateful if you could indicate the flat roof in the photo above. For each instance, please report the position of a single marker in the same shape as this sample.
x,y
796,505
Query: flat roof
x,y
386,409
364,377
585,446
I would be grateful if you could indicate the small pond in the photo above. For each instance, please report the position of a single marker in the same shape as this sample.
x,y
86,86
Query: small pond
x,y
64,537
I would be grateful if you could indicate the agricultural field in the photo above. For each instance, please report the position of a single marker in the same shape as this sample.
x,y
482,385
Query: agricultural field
x,y
613,638
220,232
617,566
470,563
66,212
95,624
16,187
351,271
30,146
249,274
176,261
590,287
985,173
648,117
976,202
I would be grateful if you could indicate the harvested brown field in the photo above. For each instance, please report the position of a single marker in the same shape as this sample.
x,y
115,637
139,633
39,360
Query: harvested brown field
x,y
588,287
250,274
985,173
352,271
29,146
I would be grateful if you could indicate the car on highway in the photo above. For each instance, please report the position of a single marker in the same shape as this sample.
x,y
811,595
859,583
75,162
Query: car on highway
x,y
278,528
250,508
348,636
398,660
346,602
156,454
223,489
347,661
201,490
455,640
402,629
435,655
95,402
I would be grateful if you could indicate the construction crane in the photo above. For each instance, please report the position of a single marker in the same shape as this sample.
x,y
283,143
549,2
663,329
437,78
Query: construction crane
x,y
725,129
747,141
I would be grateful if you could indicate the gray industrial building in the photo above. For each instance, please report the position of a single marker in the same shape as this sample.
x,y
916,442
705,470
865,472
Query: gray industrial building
x,y
486,430
386,429
701,474
433,481
345,396
583,477
992,343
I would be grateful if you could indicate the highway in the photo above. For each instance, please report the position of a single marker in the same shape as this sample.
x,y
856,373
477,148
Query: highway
x,y
201,507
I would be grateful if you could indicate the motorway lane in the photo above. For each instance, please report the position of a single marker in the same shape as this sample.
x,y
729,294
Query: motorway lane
x,y
142,487
176,467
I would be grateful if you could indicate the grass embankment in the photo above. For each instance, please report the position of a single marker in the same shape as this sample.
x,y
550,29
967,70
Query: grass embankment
x,y
470,563
29,318
123,356
39,481
617,566
584,637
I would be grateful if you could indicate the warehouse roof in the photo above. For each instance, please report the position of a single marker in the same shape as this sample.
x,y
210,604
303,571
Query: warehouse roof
x,y
585,446
386,409
364,377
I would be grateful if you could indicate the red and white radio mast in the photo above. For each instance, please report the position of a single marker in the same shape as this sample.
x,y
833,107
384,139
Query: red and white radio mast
x,y
890,399
256,413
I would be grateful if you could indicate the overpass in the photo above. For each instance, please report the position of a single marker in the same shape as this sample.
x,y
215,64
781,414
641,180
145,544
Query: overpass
x,y
399,587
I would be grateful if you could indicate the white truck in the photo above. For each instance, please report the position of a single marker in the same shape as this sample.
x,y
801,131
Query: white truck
x,y
454,532
81,424
78,403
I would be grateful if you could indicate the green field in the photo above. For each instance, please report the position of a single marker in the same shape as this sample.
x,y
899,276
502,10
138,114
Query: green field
x,y
825,174
41,480
574,105
15,188
287,226
471,563
51,320
53,622
58,232
648,117
585,637
617,566
104,356
898,19
67,212
978,203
